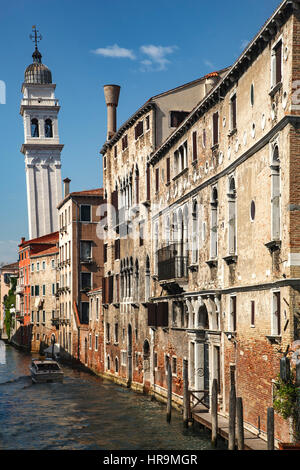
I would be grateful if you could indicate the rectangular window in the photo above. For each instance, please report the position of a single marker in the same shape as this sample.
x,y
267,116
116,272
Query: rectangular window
x,y
124,142
32,316
139,129
32,291
195,155
44,265
36,290
90,341
215,128
105,252
155,360
277,64
167,360
86,280
123,358
44,290
168,170
148,178
232,313
38,266
96,343
53,264
252,313
177,117
157,180
233,112
174,365
141,231
147,122
32,268
117,248
108,332
38,317
276,323
44,316
116,332
85,213
85,250
84,312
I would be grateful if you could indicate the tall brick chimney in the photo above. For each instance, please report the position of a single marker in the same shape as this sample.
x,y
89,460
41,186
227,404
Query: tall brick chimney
x,y
67,182
111,93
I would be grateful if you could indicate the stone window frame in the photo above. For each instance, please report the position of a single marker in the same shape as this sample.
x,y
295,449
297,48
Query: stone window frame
x,y
273,82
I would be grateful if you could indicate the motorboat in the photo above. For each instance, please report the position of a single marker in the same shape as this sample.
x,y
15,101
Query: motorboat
x,y
43,371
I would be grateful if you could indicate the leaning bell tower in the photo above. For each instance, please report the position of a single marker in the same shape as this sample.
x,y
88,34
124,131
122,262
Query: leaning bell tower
x,y
41,148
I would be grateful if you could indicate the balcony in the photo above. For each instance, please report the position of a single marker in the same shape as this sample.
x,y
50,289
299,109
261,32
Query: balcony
x,y
171,265
87,260
20,289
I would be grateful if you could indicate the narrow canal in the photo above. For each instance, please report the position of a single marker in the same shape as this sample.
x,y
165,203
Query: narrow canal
x,y
83,412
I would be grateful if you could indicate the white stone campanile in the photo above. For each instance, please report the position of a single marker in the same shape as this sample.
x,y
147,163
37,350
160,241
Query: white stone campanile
x,y
41,148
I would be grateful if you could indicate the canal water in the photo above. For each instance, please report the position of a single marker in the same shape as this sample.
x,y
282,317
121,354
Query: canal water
x,y
83,412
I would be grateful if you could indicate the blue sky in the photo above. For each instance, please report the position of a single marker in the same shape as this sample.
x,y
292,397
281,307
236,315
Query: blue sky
x,y
146,47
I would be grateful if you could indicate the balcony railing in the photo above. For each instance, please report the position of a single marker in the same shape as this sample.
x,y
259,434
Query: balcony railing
x,y
171,265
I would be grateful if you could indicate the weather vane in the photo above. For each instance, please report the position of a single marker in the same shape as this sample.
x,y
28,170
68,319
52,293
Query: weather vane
x,y
35,37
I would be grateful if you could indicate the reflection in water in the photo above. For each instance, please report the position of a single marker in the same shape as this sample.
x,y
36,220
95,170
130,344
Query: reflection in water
x,y
83,412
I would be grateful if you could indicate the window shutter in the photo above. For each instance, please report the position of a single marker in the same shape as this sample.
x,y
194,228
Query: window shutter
x,y
234,313
195,156
117,248
168,170
110,289
233,110
152,316
278,53
157,179
148,182
162,314
215,128
104,300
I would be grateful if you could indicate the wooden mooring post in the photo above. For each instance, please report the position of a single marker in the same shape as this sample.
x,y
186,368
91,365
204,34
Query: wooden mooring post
x,y
270,428
240,423
169,402
214,413
232,418
186,395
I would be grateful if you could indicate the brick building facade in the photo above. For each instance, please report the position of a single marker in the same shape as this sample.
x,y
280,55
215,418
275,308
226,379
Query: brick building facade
x,y
202,238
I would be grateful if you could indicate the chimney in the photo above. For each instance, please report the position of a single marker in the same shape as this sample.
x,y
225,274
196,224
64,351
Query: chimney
x,y
23,240
111,93
67,182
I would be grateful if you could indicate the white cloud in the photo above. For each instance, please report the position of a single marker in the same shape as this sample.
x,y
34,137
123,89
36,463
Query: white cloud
x,y
209,64
115,52
244,44
156,56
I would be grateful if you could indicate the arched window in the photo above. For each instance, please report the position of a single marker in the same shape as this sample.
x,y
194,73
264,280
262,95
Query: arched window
x,y
275,199
48,128
116,365
146,350
108,363
214,224
232,217
34,128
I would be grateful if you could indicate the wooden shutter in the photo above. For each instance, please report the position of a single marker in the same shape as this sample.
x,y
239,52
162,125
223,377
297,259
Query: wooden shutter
x,y
252,312
104,300
157,179
233,111
152,315
195,156
162,314
168,170
234,313
278,313
117,248
278,53
148,183
110,289
215,128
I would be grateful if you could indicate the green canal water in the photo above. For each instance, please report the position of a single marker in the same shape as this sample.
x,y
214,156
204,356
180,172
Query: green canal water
x,y
83,412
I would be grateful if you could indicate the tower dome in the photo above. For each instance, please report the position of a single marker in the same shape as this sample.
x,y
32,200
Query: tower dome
x,y
37,72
